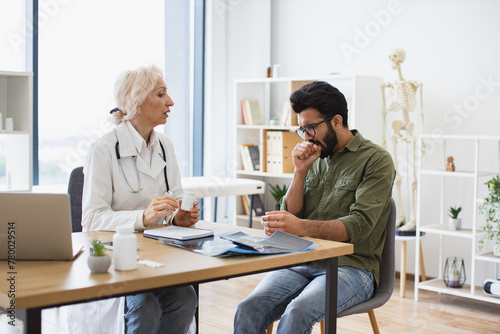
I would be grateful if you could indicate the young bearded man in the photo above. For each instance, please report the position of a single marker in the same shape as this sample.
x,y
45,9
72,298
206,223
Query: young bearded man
x,y
341,190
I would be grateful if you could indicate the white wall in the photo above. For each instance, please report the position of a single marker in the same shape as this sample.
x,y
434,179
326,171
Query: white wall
x,y
451,48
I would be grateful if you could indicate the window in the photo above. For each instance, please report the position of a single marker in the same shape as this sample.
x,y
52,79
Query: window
x,y
79,50
83,47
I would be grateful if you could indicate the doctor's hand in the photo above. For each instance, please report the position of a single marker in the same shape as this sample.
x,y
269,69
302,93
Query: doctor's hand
x,y
304,154
187,218
283,221
161,206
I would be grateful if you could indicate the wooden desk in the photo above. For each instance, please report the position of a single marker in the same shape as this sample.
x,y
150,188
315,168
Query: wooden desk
x,y
45,284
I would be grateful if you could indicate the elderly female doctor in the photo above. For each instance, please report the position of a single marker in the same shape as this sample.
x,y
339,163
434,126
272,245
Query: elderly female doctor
x,y
132,177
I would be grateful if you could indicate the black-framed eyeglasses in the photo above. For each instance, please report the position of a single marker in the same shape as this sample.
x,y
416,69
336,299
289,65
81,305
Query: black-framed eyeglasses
x,y
310,129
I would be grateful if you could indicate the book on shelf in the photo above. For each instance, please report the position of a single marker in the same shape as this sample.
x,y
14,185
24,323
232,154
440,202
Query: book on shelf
x,y
251,113
254,156
246,204
286,114
250,156
279,147
257,205
244,114
245,157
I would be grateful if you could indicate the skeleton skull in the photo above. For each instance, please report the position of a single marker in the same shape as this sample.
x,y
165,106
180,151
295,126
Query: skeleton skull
x,y
397,57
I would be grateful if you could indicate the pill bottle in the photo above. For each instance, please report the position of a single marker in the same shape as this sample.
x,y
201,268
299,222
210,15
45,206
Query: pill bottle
x,y
125,248
275,70
187,200
9,124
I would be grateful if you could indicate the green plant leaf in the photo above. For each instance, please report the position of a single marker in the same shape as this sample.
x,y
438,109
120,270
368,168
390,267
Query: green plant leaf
x,y
97,248
277,192
490,209
454,212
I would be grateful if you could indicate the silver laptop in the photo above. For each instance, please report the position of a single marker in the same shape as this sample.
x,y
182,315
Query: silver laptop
x,y
36,226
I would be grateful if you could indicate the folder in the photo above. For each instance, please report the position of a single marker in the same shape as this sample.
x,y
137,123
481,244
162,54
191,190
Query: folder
x,y
280,145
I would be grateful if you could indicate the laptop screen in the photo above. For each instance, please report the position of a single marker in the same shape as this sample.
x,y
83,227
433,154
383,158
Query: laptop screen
x,y
35,226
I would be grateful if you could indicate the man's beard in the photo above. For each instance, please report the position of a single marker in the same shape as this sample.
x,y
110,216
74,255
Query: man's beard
x,y
330,140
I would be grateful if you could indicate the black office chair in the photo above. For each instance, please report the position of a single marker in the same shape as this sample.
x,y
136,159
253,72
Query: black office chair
x,y
75,191
387,278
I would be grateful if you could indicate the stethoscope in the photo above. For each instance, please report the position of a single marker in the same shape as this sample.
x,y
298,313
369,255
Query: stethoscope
x,y
134,159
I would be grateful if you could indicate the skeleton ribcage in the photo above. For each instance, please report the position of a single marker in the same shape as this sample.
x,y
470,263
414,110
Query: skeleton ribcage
x,y
402,96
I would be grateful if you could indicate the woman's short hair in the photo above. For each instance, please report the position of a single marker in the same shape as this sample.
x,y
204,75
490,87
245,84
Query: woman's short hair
x,y
323,97
131,90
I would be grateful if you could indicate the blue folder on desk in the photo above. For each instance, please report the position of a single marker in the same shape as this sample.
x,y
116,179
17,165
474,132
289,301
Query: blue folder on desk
x,y
237,242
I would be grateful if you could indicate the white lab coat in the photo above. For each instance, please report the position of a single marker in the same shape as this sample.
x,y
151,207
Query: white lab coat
x,y
108,203
107,200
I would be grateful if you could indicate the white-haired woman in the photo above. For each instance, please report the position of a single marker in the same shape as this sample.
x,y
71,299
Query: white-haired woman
x,y
132,177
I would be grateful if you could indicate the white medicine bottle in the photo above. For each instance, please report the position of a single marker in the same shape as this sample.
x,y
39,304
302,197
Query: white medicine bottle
x,y
125,248
187,200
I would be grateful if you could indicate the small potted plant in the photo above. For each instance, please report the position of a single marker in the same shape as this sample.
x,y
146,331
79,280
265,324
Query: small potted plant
x,y
454,221
98,261
273,121
278,192
490,208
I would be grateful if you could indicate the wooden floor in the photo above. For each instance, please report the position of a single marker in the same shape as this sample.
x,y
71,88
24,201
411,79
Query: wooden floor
x,y
433,313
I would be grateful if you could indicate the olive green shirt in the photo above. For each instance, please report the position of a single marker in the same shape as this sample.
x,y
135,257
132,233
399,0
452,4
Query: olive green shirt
x,y
355,186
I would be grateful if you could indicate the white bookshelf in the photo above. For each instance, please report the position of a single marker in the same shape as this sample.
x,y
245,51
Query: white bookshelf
x,y
478,150
365,102
16,102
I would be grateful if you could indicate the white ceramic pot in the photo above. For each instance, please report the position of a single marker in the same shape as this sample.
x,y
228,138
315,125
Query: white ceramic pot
x,y
455,224
99,264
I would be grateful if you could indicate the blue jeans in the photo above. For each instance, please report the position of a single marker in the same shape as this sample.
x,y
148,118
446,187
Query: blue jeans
x,y
168,310
297,296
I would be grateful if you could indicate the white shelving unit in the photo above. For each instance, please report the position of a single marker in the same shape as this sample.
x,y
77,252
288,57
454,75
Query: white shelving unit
x,y
365,105
470,233
16,102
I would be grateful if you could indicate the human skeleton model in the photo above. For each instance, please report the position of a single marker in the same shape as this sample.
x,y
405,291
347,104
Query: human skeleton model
x,y
402,95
